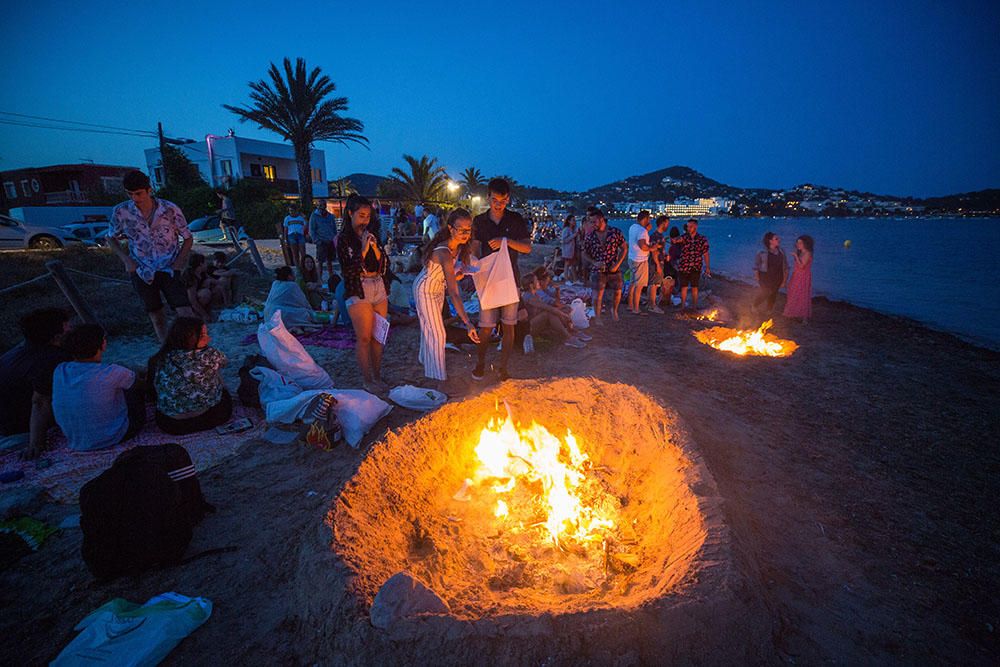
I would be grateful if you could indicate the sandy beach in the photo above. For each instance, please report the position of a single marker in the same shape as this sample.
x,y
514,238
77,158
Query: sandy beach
x,y
858,480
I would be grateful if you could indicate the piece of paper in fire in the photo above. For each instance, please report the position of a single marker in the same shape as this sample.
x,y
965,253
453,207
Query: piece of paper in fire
x,y
381,329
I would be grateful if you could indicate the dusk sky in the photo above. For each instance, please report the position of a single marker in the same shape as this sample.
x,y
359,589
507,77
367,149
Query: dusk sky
x,y
896,98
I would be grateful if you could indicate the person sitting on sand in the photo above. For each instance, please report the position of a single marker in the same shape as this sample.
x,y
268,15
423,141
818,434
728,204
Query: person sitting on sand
x,y
202,289
440,256
364,264
185,377
548,292
771,271
226,277
546,320
288,297
96,405
607,249
26,379
309,281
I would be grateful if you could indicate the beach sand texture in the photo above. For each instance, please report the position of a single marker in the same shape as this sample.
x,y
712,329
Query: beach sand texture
x,y
858,481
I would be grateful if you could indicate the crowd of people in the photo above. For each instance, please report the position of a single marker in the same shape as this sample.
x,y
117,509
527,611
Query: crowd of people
x,y
57,374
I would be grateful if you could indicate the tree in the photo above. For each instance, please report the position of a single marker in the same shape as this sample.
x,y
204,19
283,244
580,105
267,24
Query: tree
x,y
180,171
427,181
342,187
473,181
295,106
185,185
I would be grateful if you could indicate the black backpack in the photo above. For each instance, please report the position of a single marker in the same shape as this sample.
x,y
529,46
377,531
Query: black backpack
x,y
139,513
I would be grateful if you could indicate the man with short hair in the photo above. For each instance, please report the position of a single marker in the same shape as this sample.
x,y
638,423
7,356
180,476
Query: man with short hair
x,y
323,232
432,224
152,239
607,248
26,378
657,264
694,255
638,260
96,405
488,231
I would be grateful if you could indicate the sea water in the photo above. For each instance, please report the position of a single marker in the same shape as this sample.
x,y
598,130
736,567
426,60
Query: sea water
x,y
943,272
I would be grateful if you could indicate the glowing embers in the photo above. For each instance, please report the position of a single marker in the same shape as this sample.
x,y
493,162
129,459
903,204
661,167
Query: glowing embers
x,y
747,342
541,483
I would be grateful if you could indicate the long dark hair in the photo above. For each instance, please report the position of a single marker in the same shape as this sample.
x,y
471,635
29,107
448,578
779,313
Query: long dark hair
x,y
351,206
444,235
183,335
195,260
309,276
569,218
807,241
767,240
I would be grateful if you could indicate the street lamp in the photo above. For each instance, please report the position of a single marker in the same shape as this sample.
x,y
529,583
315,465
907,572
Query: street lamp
x,y
453,187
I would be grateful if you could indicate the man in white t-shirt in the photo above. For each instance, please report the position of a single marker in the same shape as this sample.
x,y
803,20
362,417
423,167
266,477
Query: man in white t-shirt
x,y
432,224
96,405
638,259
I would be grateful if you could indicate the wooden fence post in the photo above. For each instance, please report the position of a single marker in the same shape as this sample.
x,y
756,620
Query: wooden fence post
x,y
69,289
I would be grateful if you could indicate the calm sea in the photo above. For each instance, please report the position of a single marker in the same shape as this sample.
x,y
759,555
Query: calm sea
x,y
944,272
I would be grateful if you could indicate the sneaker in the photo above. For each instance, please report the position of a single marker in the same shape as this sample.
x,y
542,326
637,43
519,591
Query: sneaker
x,y
478,373
575,342
529,344
586,338
657,310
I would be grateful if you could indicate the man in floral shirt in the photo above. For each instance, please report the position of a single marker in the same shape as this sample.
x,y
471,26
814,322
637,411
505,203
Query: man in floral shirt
x,y
607,249
151,238
694,251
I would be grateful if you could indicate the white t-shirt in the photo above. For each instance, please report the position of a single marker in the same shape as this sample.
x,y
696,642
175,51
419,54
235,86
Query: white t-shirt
x,y
636,233
432,225
88,402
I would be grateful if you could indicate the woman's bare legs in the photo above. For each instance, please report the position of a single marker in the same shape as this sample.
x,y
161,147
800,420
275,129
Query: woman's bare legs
x,y
363,319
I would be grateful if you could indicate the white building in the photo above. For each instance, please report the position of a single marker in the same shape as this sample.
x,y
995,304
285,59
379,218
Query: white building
x,y
224,160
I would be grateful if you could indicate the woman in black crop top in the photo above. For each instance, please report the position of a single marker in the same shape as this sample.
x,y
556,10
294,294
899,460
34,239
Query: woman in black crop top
x,y
363,264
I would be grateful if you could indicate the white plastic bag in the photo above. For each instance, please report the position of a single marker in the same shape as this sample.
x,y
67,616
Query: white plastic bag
x,y
120,632
288,357
417,398
357,410
578,313
273,385
494,279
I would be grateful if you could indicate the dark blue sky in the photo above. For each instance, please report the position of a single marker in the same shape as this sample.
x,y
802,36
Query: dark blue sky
x,y
900,98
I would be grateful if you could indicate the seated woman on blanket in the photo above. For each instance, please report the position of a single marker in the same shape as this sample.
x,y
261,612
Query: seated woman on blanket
x,y
96,405
185,377
547,320
202,289
310,282
288,297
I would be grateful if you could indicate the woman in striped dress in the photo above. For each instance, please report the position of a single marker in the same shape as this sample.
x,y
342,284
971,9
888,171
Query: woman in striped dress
x,y
438,276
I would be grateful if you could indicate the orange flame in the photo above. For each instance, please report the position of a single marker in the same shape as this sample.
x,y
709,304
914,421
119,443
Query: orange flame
x,y
511,461
757,342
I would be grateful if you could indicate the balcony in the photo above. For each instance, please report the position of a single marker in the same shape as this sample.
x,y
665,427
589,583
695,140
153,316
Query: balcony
x,y
66,197
286,185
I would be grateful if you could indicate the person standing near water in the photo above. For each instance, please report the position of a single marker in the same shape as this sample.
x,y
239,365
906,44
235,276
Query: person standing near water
x,y
638,260
488,231
438,276
364,264
607,248
693,258
771,272
799,302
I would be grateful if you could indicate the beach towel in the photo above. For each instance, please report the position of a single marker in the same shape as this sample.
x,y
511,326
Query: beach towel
x,y
123,633
68,470
288,298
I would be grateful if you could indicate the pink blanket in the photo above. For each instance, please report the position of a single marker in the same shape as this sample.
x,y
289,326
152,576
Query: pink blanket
x,y
70,470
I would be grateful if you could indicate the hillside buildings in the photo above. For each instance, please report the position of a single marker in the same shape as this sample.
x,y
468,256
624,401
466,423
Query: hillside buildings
x,y
77,184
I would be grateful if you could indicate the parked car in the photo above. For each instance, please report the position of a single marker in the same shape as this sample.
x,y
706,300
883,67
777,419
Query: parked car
x,y
90,232
16,234
207,231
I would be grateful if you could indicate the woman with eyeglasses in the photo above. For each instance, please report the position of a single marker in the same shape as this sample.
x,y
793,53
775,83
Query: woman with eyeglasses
x,y
439,274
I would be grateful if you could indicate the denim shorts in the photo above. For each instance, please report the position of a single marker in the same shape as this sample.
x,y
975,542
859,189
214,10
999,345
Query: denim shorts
x,y
296,239
507,314
374,289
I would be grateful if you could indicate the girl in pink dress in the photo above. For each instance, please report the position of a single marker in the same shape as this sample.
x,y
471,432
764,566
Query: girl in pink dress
x,y
799,302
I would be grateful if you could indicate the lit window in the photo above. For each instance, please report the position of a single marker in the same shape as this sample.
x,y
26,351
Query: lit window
x,y
10,189
227,167
270,171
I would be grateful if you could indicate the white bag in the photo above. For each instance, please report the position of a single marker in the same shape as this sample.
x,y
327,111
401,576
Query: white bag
x,y
494,279
273,385
123,633
357,410
417,398
288,357
578,313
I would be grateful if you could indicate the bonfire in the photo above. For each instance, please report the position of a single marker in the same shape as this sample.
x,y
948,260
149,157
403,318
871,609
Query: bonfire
x,y
757,342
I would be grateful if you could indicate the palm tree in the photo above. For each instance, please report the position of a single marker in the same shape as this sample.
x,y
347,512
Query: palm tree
x,y
293,106
343,187
427,181
473,181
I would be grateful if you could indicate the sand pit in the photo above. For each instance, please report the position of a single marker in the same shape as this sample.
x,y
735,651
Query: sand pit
x,y
661,570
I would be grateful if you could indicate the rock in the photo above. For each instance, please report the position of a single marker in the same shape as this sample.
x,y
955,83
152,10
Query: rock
x,y
403,596
23,501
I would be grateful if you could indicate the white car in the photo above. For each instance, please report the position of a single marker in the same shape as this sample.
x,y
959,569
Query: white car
x,y
91,232
15,234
